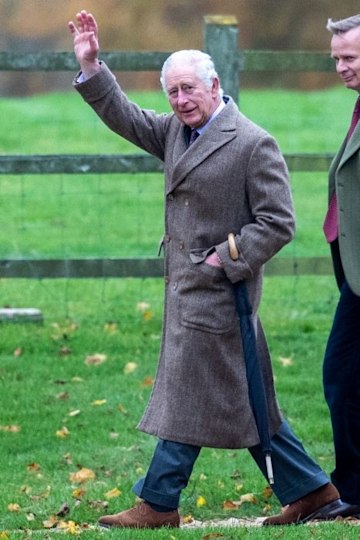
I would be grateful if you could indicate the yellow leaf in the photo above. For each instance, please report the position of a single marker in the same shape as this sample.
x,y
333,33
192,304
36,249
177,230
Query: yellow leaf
x,y
78,493
77,379
69,527
148,315
95,359
188,519
142,306
130,368
81,476
286,362
113,493
13,507
4,535
98,402
201,501
76,412
63,432
267,492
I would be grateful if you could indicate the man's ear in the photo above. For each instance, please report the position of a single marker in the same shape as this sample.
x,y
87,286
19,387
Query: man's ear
x,y
215,86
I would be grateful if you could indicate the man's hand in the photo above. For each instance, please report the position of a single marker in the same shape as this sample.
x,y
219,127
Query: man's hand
x,y
213,260
86,42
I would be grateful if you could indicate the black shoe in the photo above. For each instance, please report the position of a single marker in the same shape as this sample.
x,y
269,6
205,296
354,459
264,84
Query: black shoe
x,y
344,511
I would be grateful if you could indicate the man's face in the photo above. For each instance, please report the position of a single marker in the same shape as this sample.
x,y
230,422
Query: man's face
x,y
345,49
192,102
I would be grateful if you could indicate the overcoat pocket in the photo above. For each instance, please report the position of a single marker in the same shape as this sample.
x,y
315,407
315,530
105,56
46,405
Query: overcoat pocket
x,y
206,300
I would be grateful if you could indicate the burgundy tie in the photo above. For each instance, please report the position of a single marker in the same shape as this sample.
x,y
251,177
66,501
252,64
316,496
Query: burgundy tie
x,y
331,219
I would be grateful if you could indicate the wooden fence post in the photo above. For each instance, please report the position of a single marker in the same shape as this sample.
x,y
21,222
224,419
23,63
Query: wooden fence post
x,y
221,42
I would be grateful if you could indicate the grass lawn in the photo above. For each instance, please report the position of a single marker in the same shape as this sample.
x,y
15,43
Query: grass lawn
x,y
74,387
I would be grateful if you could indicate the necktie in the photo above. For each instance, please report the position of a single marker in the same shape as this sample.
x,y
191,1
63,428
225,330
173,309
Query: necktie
x,y
331,220
193,136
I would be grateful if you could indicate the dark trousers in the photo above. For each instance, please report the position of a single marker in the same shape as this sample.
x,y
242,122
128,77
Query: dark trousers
x,y
341,376
295,473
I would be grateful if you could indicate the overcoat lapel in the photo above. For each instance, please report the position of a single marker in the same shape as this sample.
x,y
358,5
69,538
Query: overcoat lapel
x,y
185,159
351,147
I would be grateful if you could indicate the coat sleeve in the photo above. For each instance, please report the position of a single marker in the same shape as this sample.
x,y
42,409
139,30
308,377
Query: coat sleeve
x,y
144,128
272,222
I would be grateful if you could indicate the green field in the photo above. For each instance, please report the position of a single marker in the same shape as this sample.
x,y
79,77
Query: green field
x,y
74,387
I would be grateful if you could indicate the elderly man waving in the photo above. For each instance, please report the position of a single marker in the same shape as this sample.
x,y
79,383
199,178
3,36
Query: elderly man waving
x,y
228,210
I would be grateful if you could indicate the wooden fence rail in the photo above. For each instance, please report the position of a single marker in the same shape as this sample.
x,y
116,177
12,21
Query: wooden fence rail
x,y
221,35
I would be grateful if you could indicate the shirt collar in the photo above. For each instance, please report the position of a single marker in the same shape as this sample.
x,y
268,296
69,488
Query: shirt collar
x,y
218,110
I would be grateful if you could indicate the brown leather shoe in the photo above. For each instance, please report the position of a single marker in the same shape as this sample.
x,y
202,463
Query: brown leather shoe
x,y
322,503
142,516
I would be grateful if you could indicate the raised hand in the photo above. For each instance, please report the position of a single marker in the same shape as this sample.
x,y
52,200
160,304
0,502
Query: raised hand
x,y
86,42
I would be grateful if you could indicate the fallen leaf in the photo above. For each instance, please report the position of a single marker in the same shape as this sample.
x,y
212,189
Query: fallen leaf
x,y
200,501
81,476
111,327
286,362
98,505
63,432
67,458
30,517
4,535
122,409
95,359
62,395
50,522
230,505
77,379
18,352
148,381
76,412
78,493
142,306
69,527
267,492
188,519
130,368
98,402
33,467
13,507
115,492
248,497
11,428
64,351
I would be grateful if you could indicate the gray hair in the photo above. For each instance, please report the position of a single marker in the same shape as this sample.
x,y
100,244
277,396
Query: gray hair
x,y
343,25
205,68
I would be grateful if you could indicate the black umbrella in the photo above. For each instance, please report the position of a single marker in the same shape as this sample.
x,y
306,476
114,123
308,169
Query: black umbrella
x,y
257,395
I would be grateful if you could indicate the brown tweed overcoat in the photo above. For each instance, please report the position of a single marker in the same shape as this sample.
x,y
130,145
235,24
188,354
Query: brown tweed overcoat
x,y
232,179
